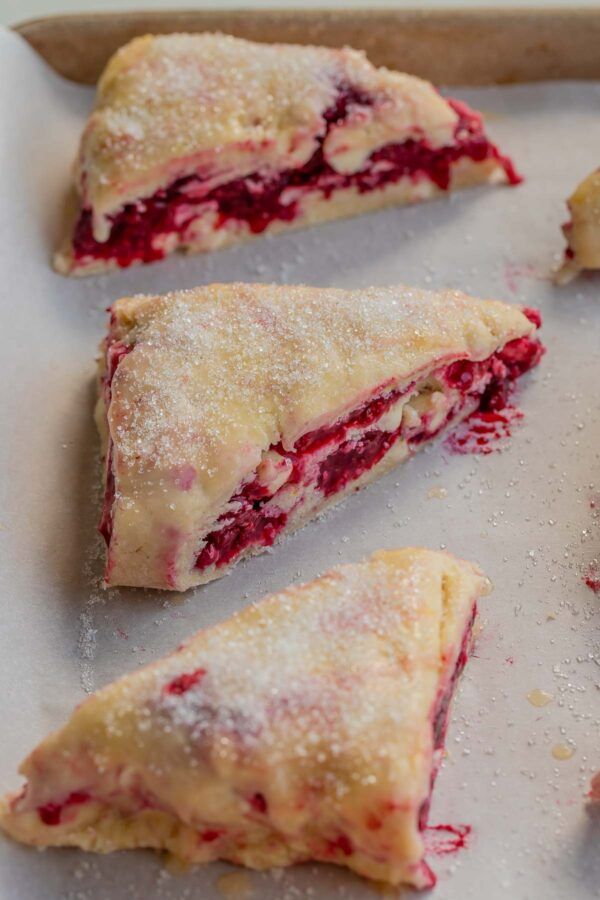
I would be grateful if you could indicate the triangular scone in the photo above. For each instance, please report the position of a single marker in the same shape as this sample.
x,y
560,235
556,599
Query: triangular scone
x,y
202,140
234,413
309,726
582,231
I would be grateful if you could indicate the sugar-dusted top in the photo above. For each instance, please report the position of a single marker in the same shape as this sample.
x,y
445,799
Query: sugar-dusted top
x,y
358,652
171,105
315,705
233,368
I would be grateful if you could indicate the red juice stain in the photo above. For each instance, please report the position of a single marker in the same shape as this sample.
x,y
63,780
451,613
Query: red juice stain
x,y
441,840
592,579
484,432
513,272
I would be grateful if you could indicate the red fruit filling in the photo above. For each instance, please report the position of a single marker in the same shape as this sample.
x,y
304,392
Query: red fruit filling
x,y
258,803
439,718
484,432
184,682
331,457
342,844
441,712
50,813
138,231
211,834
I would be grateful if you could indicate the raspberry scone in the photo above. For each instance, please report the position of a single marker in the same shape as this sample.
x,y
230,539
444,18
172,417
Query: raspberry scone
x,y
309,726
582,231
199,141
234,413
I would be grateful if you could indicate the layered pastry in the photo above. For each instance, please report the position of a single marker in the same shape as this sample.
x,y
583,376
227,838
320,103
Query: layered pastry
x,y
309,726
582,231
232,414
199,141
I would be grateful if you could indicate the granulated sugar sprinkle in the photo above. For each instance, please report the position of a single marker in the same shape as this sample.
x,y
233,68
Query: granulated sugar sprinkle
x,y
230,368
341,673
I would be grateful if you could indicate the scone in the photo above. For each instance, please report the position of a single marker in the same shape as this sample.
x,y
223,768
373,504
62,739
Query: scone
x,y
309,726
202,140
234,413
582,231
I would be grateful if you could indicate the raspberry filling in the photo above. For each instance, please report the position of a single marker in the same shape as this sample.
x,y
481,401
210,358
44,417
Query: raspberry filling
x,y
51,813
346,459
139,230
183,683
440,716
441,711
329,459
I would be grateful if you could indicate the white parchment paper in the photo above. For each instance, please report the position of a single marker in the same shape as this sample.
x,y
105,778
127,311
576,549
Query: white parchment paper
x,y
523,514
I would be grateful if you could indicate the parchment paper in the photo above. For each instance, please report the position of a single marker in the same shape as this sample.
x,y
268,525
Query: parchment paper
x,y
523,514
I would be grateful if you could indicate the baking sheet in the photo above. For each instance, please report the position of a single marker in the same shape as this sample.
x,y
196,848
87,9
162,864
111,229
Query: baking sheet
x,y
524,514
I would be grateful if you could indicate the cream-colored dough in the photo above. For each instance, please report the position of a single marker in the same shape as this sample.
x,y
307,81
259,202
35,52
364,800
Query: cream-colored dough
x,y
583,230
301,728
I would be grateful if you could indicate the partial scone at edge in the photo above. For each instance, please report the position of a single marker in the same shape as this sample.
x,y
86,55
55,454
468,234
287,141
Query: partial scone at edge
x,y
234,413
582,231
309,726
200,141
